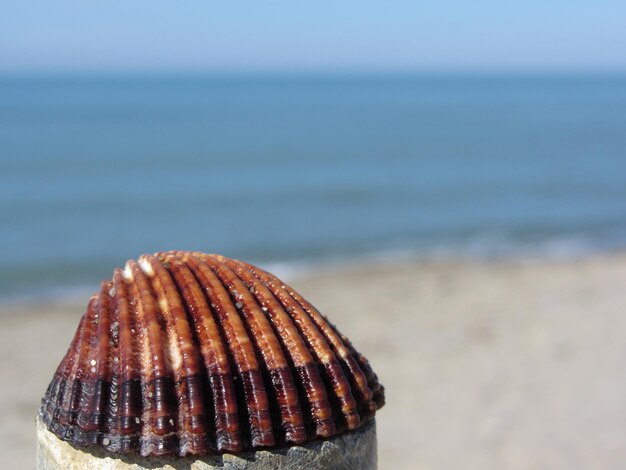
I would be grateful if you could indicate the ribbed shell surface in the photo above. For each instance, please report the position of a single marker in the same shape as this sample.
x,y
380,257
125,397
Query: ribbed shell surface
x,y
186,353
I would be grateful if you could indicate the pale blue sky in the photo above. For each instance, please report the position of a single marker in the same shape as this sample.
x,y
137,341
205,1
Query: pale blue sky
x,y
289,36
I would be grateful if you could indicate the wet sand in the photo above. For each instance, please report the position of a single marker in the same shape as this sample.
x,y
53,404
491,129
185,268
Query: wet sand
x,y
513,364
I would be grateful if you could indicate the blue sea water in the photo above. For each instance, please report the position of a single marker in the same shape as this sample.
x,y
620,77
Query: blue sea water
x,y
94,171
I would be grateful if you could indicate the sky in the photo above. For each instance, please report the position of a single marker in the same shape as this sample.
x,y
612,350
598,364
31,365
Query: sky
x,y
288,36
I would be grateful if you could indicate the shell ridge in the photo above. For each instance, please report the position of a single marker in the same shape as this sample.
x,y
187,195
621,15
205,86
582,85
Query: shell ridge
x,y
180,354
195,392
136,350
349,362
57,413
52,403
336,382
158,437
276,370
313,388
111,425
326,353
94,388
271,372
378,391
255,408
77,393
213,350
355,375
83,385
126,383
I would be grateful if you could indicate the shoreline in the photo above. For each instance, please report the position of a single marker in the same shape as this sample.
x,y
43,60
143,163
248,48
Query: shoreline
x,y
293,270
504,363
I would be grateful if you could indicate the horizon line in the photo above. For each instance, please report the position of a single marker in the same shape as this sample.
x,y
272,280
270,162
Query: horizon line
x,y
304,73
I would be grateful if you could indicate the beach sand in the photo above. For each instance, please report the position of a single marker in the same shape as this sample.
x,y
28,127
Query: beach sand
x,y
514,364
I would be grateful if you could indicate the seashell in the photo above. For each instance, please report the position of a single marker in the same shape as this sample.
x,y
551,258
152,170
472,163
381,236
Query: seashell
x,y
186,353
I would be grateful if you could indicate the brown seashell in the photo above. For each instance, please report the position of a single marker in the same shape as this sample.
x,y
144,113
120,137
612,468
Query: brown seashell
x,y
187,353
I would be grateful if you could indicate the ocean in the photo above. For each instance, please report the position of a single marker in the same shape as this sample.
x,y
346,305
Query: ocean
x,y
300,170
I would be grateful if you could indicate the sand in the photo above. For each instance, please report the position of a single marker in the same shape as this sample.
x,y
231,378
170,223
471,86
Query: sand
x,y
513,364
